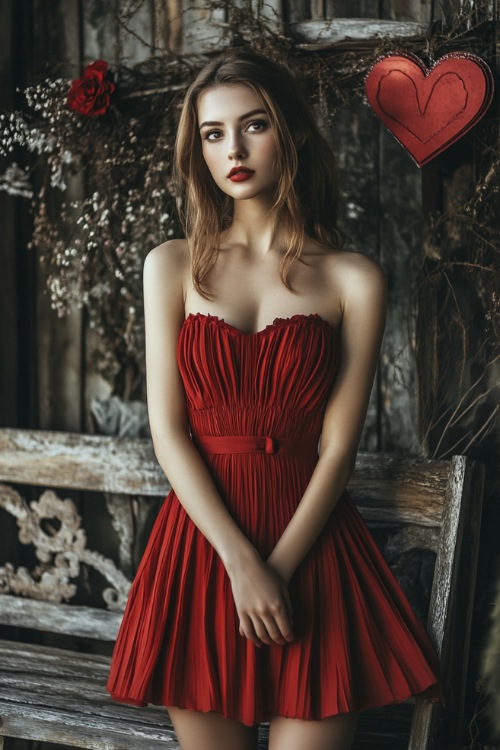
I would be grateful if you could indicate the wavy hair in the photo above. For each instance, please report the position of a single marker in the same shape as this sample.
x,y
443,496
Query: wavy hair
x,y
306,193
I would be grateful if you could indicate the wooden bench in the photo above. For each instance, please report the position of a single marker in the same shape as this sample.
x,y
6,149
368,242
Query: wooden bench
x,y
55,694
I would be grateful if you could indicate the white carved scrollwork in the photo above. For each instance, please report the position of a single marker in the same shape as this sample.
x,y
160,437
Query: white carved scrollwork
x,y
53,527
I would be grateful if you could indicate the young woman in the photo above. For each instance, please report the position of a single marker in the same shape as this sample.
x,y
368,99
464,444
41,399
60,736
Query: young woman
x,y
261,595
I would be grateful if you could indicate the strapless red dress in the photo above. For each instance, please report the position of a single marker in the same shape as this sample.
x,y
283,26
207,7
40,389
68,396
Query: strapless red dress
x,y
358,643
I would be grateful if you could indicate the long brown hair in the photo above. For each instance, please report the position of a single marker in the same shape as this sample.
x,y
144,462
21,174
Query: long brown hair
x,y
306,192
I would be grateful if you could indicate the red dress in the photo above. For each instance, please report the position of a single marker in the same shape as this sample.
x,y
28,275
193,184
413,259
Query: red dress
x,y
358,643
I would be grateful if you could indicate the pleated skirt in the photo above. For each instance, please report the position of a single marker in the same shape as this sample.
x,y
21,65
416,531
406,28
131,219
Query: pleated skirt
x,y
358,643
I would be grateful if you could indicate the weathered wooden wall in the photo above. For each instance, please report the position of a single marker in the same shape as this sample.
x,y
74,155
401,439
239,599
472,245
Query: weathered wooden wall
x,y
379,183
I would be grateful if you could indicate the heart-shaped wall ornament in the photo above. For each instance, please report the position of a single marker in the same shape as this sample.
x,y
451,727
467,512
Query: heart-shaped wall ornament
x,y
428,109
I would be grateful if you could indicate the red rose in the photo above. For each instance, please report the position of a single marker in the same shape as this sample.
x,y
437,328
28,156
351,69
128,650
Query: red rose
x,y
90,94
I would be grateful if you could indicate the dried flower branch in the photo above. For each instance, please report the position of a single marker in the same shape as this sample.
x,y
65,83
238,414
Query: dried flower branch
x,y
120,135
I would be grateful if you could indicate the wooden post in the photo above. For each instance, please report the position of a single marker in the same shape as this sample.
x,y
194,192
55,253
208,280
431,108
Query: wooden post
x,y
168,25
318,9
8,255
59,340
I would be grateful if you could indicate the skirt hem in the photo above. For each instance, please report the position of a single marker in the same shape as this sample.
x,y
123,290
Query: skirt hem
x,y
432,693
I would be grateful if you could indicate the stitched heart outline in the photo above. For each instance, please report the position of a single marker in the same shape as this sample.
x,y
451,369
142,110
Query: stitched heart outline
x,y
428,109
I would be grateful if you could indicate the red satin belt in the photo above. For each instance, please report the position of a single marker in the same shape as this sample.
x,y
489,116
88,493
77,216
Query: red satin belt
x,y
256,444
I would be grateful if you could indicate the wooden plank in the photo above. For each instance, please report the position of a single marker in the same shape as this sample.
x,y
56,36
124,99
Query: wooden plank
x,y
59,340
204,29
51,694
400,237
168,25
317,35
386,728
17,261
450,610
92,462
8,255
100,31
354,138
295,11
447,10
128,465
100,40
450,541
423,727
318,9
351,8
271,11
66,619
407,10
59,696
468,477
137,36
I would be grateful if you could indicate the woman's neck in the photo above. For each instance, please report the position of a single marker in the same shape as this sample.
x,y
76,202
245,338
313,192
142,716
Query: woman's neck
x,y
254,226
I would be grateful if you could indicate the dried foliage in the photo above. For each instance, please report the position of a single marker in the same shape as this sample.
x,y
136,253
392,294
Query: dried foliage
x,y
92,248
459,311
100,186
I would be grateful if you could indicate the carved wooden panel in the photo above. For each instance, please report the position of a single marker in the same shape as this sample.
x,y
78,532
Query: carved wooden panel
x,y
49,582
52,525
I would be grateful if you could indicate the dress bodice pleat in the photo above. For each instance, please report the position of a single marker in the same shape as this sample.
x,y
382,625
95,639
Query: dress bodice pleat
x,y
276,380
357,642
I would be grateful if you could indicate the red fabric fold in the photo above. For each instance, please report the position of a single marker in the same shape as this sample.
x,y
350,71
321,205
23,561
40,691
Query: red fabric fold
x,y
358,643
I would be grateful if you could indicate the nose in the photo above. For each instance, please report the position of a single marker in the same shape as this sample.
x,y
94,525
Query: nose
x,y
236,148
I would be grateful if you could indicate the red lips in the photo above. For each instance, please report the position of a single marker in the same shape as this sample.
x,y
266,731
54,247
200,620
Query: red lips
x,y
239,174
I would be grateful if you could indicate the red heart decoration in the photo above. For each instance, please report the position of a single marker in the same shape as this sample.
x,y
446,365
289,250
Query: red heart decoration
x,y
429,109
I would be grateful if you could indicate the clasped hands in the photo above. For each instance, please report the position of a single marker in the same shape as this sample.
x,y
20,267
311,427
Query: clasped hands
x,y
263,602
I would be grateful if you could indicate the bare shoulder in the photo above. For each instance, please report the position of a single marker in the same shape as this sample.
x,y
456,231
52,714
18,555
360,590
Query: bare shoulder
x,y
167,265
356,265
355,276
346,264
171,256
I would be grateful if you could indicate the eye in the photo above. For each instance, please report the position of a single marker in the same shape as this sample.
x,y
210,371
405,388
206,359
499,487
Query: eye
x,y
256,126
212,135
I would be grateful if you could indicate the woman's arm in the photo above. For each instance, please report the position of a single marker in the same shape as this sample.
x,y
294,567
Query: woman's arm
x,y
256,588
364,292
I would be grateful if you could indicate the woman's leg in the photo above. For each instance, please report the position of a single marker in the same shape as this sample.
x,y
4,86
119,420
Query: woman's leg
x,y
210,731
333,733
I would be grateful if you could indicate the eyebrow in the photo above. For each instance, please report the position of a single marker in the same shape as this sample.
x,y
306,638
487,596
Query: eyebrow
x,y
243,117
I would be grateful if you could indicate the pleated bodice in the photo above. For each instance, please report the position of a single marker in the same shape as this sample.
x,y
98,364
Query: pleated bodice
x,y
253,383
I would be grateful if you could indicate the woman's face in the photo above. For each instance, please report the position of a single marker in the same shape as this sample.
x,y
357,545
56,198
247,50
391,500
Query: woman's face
x,y
238,142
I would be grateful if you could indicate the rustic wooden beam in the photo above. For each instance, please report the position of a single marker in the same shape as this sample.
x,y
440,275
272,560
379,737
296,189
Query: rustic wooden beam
x,y
65,619
55,695
410,489
324,34
100,463
10,257
452,591
457,630
51,695
318,9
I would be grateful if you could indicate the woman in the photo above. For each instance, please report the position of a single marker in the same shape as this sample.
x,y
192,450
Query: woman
x,y
261,595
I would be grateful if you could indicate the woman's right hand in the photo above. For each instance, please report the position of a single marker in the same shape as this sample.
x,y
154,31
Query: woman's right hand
x,y
262,602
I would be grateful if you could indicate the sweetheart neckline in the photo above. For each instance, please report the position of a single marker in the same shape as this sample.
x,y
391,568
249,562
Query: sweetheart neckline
x,y
277,322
